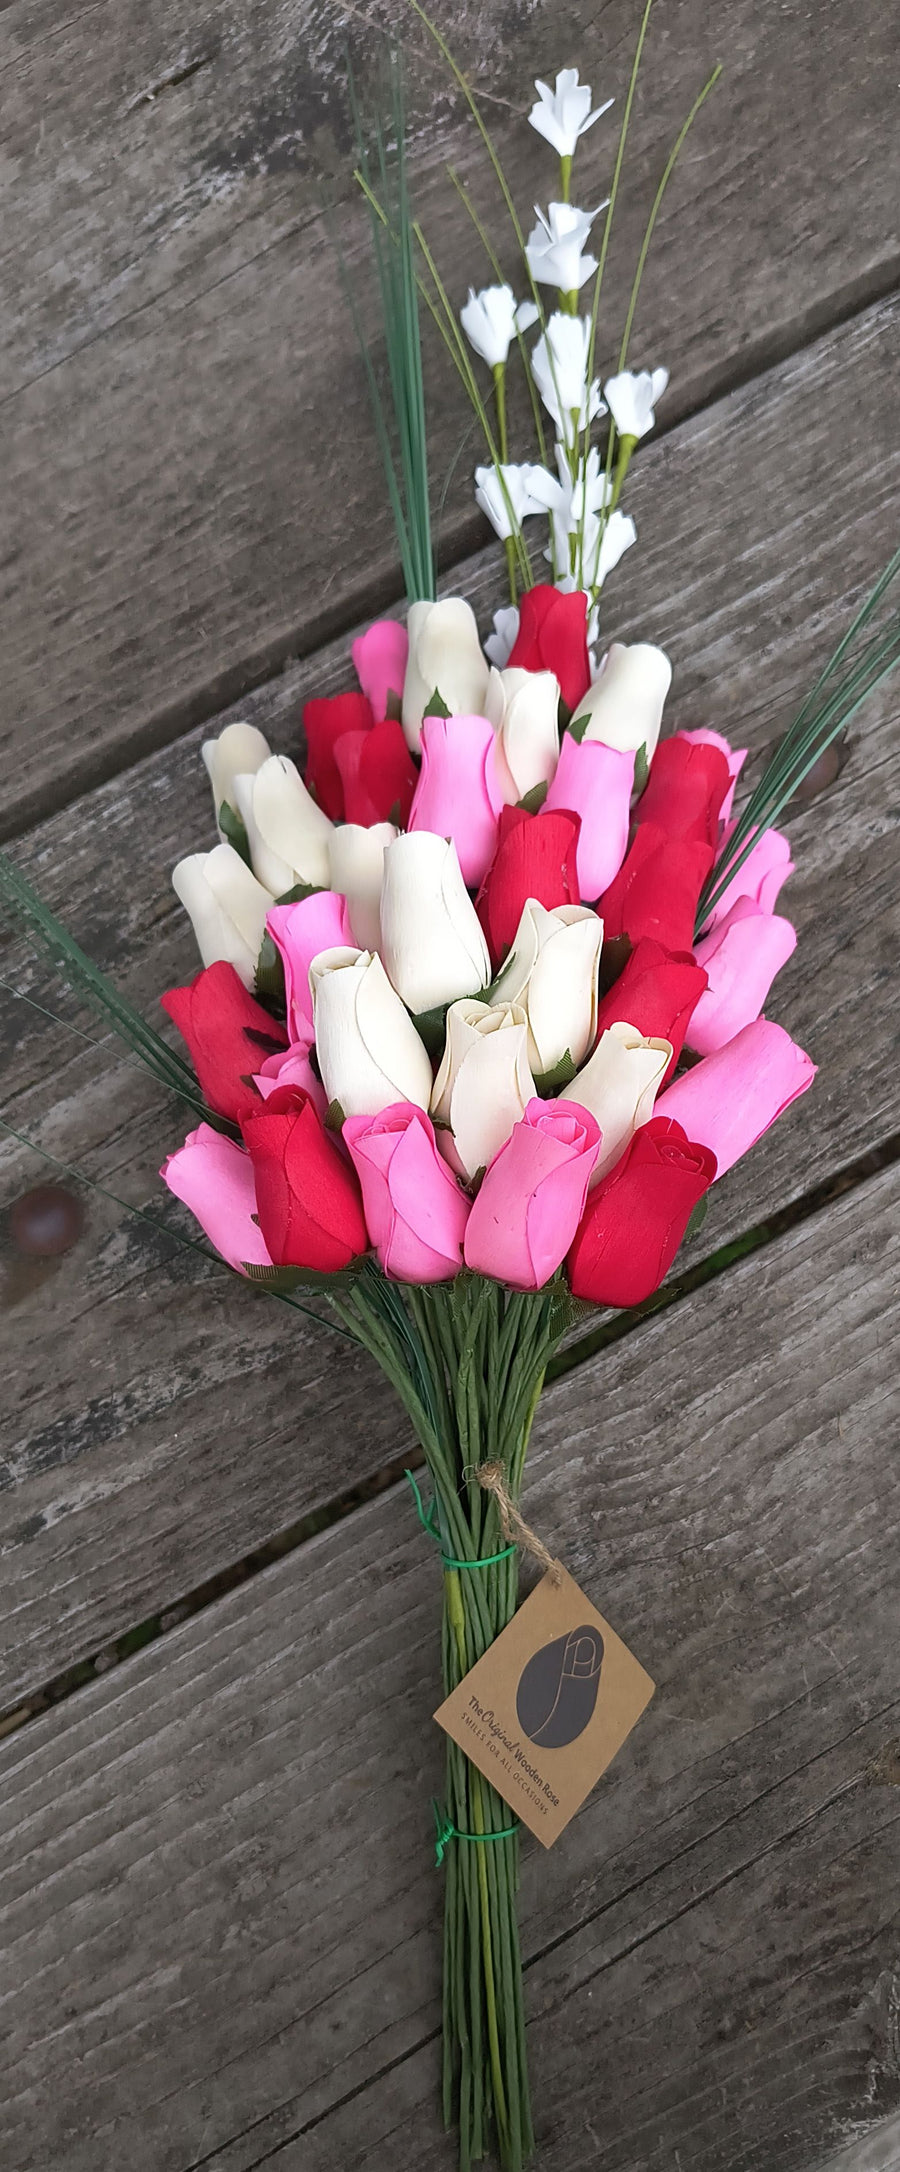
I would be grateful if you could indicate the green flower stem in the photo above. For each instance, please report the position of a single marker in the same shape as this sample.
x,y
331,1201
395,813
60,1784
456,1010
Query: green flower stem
x,y
565,176
468,1360
623,462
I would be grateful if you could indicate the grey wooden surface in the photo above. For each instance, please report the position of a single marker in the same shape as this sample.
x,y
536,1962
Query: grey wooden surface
x,y
124,1485
220,1925
218,1898
176,516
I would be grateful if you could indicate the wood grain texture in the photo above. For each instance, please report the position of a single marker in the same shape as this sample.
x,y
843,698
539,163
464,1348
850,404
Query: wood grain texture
x,y
185,503
218,1906
162,1421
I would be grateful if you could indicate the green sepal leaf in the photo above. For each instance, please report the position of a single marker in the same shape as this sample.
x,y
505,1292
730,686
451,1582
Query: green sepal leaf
x,y
393,706
234,831
436,706
562,1074
268,980
613,959
335,1116
533,801
698,1217
641,769
281,1281
431,1027
578,727
299,891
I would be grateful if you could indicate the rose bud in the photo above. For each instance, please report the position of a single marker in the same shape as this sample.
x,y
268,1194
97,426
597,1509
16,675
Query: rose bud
x,y
227,908
527,729
552,971
228,1035
741,956
307,1197
291,1067
367,1047
357,871
484,1083
595,782
734,756
619,1085
532,1199
768,864
286,831
657,889
214,1178
378,774
415,1212
552,636
458,794
431,939
325,721
624,706
730,1098
657,991
535,858
380,658
686,788
239,751
299,932
638,1214
445,657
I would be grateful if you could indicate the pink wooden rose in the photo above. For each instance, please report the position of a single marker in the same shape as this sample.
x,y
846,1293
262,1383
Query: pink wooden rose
x,y
532,1199
415,1211
299,932
214,1177
741,956
459,793
379,658
730,1098
595,782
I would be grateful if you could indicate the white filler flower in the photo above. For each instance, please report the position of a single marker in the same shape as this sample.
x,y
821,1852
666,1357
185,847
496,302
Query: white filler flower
x,y
489,322
554,247
503,493
559,366
632,398
564,114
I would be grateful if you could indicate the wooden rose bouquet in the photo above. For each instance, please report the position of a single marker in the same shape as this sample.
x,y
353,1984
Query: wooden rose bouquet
x,y
480,1019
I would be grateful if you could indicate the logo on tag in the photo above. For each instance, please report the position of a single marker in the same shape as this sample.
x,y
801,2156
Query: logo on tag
x,y
558,1688
549,1705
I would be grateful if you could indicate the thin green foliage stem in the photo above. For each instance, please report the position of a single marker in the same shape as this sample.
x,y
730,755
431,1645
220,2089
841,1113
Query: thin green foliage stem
x,y
406,473
826,711
73,964
468,1360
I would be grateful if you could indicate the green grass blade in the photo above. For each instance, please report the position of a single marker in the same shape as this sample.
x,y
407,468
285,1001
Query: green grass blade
x,y
403,441
67,956
827,709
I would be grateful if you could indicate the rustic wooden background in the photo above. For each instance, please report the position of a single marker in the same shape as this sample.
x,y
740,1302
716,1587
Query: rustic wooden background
x,y
217,1661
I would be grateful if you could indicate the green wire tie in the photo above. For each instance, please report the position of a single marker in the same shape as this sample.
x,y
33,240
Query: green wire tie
x,y
426,1519
445,1831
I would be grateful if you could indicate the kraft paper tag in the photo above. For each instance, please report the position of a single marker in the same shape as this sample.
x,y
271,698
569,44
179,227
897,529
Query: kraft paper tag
x,y
548,1706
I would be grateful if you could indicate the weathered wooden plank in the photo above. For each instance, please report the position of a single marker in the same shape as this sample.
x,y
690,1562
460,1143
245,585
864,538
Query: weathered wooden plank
x,y
876,2152
185,502
127,1480
218,1909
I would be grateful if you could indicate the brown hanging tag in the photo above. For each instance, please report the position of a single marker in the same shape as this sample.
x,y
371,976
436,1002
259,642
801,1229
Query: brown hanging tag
x,y
549,1705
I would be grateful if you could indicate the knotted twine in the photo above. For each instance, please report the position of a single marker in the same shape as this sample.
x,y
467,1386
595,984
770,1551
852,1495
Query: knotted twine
x,y
492,1480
